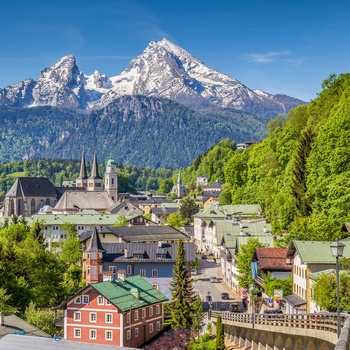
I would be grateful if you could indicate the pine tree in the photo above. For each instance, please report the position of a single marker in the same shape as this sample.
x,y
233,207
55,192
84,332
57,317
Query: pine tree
x,y
220,337
181,291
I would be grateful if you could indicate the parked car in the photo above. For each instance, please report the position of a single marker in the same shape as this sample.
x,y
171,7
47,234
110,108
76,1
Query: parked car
x,y
203,256
225,296
213,279
272,313
193,272
234,307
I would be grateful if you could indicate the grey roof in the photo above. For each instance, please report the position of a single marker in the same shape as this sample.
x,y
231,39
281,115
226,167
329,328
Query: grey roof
x,y
95,243
16,342
163,211
13,323
150,252
141,233
294,300
32,187
75,200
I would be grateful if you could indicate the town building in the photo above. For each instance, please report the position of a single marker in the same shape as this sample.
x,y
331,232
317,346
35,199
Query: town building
x,y
127,311
104,256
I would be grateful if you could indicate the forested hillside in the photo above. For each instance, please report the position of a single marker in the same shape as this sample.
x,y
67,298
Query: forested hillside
x,y
130,178
300,173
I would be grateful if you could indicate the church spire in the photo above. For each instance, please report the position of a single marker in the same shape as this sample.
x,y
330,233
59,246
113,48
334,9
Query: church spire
x,y
81,181
83,172
95,181
94,171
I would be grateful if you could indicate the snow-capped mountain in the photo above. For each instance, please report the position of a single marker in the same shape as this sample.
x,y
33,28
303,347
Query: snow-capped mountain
x,y
162,70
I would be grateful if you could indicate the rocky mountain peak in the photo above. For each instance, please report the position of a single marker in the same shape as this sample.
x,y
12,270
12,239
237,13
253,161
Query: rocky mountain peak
x,y
162,70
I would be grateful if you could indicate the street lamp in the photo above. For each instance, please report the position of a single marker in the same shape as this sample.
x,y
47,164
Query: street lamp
x,y
337,249
251,288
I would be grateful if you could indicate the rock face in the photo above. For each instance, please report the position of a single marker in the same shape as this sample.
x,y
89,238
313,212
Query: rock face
x,y
162,70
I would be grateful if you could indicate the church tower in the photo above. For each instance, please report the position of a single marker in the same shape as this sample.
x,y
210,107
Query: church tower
x,y
111,180
179,186
82,180
95,181
93,256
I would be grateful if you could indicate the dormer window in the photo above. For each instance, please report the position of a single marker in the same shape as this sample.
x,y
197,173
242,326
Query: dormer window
x,y
138,256
161,256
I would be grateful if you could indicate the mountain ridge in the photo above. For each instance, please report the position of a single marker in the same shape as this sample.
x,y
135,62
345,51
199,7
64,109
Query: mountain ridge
x,y
162,70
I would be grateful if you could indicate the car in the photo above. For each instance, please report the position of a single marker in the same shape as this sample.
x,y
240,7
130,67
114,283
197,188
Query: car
x,y
272,313
193,272
213,279
225,296
203,256
234,307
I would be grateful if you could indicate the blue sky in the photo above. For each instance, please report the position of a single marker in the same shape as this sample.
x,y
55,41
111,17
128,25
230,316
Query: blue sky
x,y
278,46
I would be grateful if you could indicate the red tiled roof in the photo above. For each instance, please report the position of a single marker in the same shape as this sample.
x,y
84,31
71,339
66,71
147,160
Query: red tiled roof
x,y
272,259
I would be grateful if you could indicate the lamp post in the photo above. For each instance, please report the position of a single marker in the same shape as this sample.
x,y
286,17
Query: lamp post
x,y
251,288
337,249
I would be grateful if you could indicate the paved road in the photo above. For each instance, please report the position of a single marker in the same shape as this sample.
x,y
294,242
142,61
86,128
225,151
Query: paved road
x,y
202,285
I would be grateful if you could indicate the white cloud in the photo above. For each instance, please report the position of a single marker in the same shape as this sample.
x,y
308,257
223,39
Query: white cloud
x,y
268,57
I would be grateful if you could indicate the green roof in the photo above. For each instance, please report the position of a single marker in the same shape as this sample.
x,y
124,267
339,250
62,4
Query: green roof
x,y
124,294
111,162
313,276
265,240
316,252
210,212
77,219
244,209
252,228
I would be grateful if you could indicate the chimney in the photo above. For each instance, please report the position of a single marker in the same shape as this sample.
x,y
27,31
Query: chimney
x,y
264,229
135,292
126,252
240,225
121,274
160,244
241,233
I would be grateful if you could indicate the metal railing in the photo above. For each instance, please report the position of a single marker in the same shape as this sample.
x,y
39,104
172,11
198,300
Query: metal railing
x,y
326,322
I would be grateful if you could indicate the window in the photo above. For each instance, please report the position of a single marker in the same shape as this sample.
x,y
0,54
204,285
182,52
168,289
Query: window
x,y
85,299
108,302
151,327
128,334
161,256
112,269
77,316
93,317
109,318
78,300
128,270
77,333
143,313
108,335
93,334
158,326
142,272
136,315
154,272
100,300
157,309
138,256
151,311
136,332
